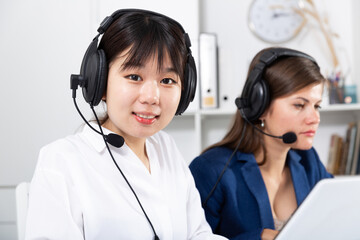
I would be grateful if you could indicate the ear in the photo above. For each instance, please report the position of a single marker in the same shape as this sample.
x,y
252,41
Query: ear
x,y
267,111
264,115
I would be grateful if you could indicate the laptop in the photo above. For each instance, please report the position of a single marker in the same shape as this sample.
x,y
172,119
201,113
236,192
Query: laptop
x,y
330,211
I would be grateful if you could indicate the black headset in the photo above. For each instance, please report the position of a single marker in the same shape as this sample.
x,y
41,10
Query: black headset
x,y
94,67
255,97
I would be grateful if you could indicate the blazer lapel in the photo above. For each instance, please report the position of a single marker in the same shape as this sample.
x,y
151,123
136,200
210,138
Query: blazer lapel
x,y
298,175
256,185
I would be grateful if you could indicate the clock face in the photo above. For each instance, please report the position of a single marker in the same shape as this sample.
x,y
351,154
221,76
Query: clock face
x,y
275,21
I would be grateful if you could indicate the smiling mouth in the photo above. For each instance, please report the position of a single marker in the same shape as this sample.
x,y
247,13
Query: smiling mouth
x,y
145,116
146,119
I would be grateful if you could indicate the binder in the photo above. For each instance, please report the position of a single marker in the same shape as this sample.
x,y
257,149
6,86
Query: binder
x,y
209,86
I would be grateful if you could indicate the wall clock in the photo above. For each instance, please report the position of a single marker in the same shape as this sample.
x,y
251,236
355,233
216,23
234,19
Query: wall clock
x,y
276,21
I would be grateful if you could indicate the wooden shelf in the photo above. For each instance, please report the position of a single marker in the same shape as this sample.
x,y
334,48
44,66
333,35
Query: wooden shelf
x,y
225,112
204,125
341,107
211,112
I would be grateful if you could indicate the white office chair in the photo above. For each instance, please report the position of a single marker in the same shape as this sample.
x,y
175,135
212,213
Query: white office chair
x,y
22,198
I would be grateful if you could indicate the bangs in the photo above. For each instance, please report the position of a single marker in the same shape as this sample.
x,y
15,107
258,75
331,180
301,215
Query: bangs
x,y
142,37
151,42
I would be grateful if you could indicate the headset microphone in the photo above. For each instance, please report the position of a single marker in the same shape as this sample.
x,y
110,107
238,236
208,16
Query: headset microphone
x,y
114,139
288,138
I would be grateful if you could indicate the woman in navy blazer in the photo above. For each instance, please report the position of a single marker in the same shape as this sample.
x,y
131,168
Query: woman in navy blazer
x,y
253,180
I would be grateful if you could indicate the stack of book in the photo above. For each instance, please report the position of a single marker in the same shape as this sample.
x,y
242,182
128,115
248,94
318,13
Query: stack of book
x,y
344,157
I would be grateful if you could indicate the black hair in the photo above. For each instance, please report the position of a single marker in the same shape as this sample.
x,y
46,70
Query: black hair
x,y
145,35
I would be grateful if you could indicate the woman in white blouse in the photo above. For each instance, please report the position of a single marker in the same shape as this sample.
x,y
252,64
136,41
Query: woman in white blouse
x,y
121,177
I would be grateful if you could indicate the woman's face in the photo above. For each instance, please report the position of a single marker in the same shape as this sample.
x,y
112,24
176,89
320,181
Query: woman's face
x,y
298,113
141,100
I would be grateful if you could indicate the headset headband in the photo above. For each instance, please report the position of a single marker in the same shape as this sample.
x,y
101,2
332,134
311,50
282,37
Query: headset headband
x,y
94,67
105,24
255,96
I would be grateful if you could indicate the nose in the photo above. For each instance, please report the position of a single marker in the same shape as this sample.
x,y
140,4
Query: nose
x,y
313,116
149,92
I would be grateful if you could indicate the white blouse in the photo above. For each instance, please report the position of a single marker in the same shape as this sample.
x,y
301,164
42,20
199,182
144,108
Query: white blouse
x,y
78,193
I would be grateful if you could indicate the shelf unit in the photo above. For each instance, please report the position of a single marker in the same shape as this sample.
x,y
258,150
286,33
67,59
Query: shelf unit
x,y
341,107
195,130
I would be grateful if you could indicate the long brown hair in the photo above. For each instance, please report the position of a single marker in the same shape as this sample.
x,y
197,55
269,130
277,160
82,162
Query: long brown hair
x,y
285,76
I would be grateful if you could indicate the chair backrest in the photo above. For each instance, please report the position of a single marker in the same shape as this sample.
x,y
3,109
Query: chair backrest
x,y
22,198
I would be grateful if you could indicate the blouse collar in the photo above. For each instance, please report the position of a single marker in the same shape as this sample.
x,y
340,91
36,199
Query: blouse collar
x,y
93,138
97,142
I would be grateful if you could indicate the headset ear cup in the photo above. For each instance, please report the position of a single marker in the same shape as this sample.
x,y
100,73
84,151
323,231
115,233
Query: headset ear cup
x,y
88,66
255,97
189,89
101,78
192,77
258,99
94,70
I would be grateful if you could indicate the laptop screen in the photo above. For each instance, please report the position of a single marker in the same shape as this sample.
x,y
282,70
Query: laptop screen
x,y
330,211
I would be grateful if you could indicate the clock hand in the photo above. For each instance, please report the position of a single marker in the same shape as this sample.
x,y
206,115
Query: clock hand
x,y
276,15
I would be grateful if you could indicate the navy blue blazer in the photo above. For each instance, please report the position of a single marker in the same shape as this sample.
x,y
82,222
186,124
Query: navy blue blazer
x,y
239,207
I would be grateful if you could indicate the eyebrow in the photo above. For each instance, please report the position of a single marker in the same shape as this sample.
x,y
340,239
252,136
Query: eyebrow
x,y
170,70
304,99
307,100
139,66
126,66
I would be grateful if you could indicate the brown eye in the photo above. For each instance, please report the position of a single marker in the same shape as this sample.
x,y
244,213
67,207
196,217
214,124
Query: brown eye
x,y
168,81
317,107
134,77
299,106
